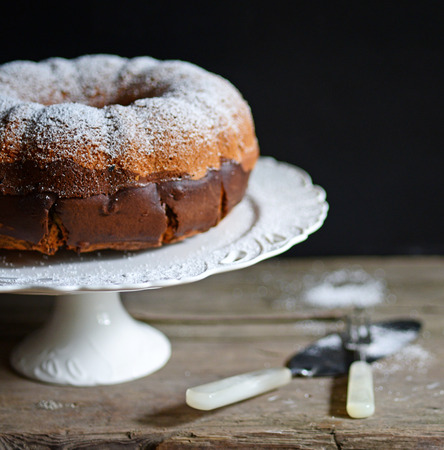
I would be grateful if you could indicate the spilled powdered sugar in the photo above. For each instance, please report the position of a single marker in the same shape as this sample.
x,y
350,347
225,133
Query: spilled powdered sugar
x,y
344,288
413,358
341,288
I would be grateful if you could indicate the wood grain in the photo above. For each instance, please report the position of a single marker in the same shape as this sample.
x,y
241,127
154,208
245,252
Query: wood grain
x,y
231,323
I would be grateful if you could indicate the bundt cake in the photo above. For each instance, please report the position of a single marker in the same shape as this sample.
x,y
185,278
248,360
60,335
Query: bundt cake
x,y
105,152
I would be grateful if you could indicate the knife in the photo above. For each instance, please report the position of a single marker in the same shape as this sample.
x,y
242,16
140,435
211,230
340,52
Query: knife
x,y
324,358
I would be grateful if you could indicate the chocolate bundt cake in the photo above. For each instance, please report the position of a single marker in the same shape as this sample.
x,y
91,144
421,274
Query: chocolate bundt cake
x,y
104,152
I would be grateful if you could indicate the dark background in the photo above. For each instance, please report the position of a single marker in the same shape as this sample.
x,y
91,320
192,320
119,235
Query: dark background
x,y
351,91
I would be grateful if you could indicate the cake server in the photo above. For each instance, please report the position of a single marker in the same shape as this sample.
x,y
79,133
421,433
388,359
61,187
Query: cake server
x,y
326,357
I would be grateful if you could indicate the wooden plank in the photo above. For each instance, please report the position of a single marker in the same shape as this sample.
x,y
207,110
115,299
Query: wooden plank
x,y
231,323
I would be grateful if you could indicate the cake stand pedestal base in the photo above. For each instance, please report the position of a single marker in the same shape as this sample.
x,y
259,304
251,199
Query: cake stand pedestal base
x,y
91,340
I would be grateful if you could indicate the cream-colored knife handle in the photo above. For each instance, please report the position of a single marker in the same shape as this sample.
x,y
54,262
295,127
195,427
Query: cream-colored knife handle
x,y
234,389
360,394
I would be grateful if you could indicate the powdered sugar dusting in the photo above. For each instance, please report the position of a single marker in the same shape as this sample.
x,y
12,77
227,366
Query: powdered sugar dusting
x,y
413,358
99,105
84,130
387,341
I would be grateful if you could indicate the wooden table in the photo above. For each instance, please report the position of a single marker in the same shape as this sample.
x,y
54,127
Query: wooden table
x,y
236,322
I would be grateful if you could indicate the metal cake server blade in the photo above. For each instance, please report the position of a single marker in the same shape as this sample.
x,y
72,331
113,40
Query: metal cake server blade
x,y
325,357
329,357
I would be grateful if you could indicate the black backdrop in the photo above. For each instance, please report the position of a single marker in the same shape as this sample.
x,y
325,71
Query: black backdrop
x,y
350,91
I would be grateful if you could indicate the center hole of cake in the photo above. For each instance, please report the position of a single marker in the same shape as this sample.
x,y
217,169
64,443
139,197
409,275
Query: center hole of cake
x,y
125,97
101,98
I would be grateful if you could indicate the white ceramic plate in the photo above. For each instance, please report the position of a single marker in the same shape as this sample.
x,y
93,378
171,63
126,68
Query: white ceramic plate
x,y
281,208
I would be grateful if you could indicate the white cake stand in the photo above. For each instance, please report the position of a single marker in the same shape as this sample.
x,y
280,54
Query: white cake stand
x,y
92,340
